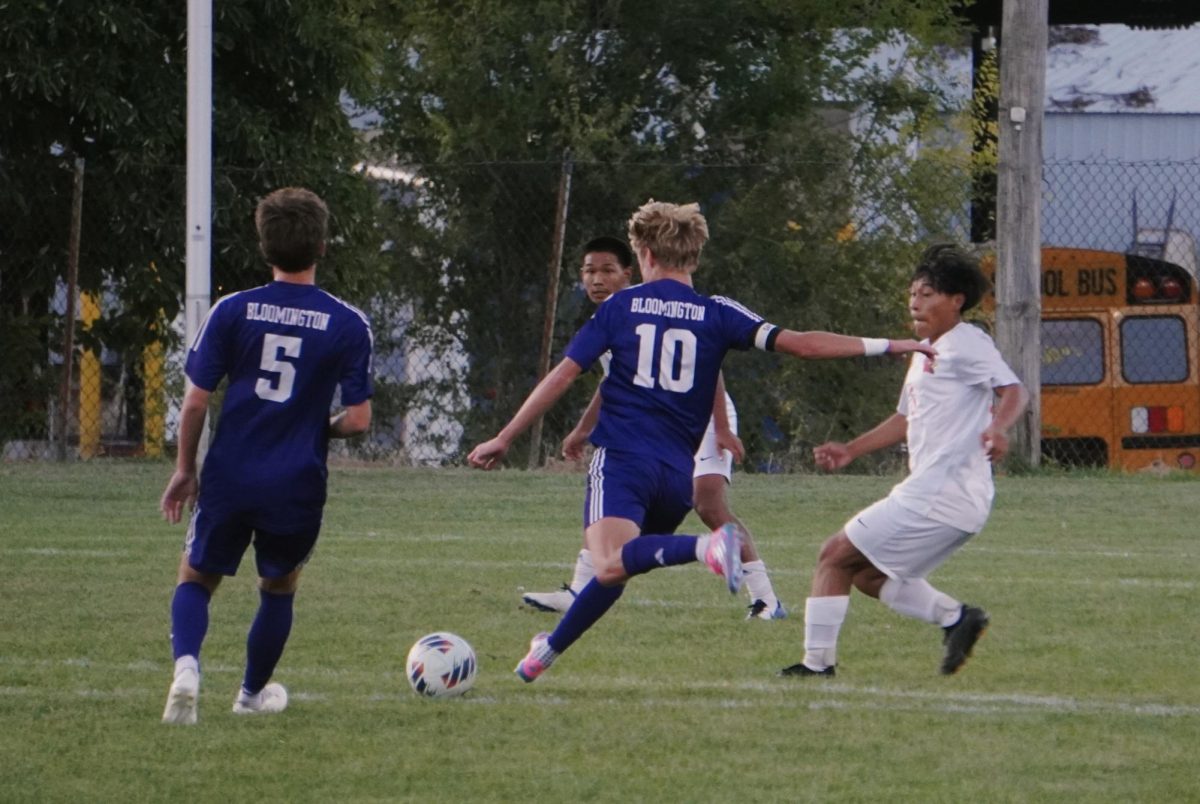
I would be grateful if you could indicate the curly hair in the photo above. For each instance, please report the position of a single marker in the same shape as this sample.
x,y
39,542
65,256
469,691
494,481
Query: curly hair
x,y
674,233
950,270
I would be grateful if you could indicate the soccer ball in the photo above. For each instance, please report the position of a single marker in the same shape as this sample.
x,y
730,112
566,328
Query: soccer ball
x,y
441,665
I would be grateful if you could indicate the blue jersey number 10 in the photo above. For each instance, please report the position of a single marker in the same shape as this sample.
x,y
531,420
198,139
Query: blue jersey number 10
x,y
678,346
275,347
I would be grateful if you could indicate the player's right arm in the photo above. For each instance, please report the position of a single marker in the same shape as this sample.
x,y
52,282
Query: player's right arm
x,y
181,488
572,448
834,455
540,400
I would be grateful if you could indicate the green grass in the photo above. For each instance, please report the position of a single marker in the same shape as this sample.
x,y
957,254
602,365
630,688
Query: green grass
x,y
1084,687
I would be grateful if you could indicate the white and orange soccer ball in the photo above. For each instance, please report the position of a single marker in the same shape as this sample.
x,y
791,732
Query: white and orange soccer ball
x,y
441,665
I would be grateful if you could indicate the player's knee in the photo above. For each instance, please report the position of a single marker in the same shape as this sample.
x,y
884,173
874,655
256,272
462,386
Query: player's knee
x,y
610,570
837,552
285,585
713,512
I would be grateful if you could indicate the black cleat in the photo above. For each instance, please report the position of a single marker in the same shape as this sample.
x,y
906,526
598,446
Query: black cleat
x,y
801,669
961,637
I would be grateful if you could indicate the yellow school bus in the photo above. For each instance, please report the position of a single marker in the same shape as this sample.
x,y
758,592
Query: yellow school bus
x,y
1120,369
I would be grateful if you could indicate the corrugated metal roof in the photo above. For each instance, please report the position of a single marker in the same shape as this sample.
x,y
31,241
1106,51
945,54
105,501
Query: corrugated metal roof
x,y
1114,68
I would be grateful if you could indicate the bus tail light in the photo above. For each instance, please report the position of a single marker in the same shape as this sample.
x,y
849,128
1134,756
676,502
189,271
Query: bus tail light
x,y
1187,460
1170,288
1156,419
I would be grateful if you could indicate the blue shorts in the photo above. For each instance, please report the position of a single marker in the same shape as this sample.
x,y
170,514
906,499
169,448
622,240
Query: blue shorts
x,y
651,493
217,540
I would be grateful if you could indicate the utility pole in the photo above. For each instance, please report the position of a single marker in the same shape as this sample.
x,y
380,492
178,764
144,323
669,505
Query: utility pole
x,y
1024,35
554,273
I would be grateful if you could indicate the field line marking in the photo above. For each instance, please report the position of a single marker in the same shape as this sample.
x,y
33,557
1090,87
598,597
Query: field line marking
x,y
823,694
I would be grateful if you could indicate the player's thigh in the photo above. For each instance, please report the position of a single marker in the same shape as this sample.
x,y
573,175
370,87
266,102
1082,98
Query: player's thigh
x,y
900,542
217,539
710,498
619,484
670,502
622,485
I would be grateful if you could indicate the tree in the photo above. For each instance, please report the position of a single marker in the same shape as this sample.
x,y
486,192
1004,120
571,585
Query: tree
x,y
728,102
106,82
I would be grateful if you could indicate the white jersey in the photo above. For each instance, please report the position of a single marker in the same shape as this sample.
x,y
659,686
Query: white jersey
x,y
948,403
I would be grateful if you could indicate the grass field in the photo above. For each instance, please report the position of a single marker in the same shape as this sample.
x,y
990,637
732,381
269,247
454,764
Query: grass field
x,y
1085,687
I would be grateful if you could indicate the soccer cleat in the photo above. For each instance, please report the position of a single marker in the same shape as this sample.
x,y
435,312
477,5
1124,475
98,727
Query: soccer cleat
x,y
759,611
183,697
961,637
538,660
802,670
559,600
269,700
724,554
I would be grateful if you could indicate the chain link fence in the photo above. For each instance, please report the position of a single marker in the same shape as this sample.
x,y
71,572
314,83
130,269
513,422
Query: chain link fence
x,y
456,287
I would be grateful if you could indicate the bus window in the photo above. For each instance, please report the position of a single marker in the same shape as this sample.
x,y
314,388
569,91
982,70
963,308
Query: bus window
x,y
1072,351
1154,349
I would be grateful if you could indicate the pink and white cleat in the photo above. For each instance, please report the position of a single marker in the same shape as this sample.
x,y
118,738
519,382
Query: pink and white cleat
x,y
538,660
724,554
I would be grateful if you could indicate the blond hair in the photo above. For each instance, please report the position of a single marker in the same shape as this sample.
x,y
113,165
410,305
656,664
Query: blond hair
x,y
674,233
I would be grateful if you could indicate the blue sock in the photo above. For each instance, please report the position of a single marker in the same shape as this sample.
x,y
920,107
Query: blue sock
x,y
590,605
189,618
647,552
268,634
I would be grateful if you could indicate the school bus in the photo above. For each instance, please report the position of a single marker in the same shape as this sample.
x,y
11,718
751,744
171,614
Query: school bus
x,y
1120,371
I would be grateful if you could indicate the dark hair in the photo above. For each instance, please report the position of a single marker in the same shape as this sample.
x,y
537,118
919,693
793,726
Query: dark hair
x,y
611,245
292,225
950,270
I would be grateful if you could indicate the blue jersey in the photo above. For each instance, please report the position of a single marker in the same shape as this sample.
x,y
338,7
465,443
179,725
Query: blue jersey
x,y
285,348
667,343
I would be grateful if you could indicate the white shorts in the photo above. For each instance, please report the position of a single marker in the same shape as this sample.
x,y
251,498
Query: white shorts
x,y
709,459
901,543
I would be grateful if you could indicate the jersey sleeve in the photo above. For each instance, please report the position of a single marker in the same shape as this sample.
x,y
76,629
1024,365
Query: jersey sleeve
x,y
745,327
356,383
984,365
591,341
209,359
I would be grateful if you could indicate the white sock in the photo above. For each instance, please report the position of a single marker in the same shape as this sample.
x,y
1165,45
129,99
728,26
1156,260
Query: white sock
x,y
823,618
758,583
584,571
187,663
915,597
701,547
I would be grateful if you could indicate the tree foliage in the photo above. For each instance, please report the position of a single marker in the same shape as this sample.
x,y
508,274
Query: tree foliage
x,y
773,115
106,82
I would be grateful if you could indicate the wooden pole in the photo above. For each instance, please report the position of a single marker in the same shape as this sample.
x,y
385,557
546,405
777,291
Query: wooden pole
x,y
1024,33
554,273
68,349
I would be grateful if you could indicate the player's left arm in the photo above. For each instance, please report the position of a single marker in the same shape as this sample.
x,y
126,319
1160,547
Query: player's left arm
x,y
819,345
356,384
1010,403
182,487
540,400
352,421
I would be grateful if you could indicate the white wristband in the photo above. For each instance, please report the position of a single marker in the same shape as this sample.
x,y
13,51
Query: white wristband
x,y
873,347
